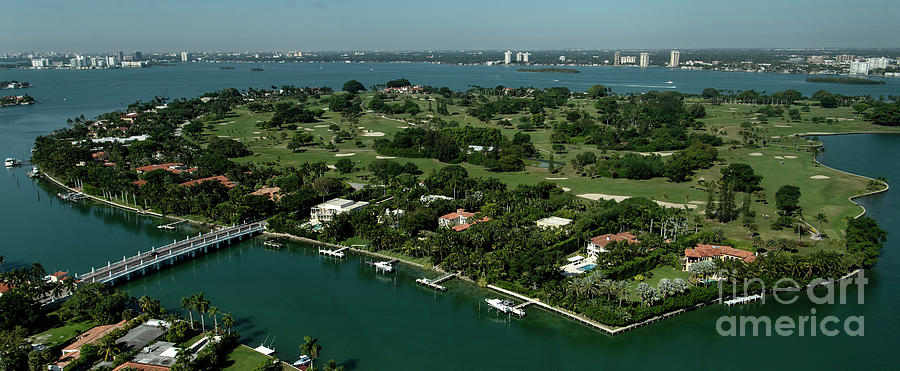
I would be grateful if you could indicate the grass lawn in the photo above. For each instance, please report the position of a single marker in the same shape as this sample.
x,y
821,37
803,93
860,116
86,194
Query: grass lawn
x,y
663,271
61,334
244,358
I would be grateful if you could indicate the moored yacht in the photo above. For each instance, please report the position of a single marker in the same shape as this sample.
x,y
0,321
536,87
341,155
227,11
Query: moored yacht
x,y
11,162
505,306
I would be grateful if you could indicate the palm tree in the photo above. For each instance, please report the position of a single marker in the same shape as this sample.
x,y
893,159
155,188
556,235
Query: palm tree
x,y
202,306
821,219
188,303
2,260
214,312
228,321
145,303
311,348
108,348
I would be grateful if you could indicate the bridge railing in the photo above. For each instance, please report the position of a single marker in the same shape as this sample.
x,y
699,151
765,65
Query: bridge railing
x,y
142,260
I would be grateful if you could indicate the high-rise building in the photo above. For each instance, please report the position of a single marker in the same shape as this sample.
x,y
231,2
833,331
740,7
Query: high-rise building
x,y
40,63
645,59
111,61
562,58
627,59
843,58
674,56
184,56
507,57
519,56
138,56
120,56
859,68
876,63
525,57
617,58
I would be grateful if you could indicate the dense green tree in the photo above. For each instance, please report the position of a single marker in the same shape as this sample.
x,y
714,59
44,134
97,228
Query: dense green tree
x,y
787,199
353,87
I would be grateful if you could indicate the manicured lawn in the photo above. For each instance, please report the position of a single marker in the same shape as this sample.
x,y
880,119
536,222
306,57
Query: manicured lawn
x,y
659,273
244,358
62,334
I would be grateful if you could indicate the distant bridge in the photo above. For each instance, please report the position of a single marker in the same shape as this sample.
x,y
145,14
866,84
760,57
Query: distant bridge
x,y
169,255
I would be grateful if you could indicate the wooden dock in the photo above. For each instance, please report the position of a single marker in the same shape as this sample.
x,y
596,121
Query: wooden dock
x,y
337,253
435,283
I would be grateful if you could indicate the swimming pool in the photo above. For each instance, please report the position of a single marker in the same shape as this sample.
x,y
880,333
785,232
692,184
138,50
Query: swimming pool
x,y
587,267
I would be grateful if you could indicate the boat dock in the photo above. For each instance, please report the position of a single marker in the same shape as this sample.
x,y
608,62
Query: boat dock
x,y
169,255
383,266
339,253
171,226
742,300
435,283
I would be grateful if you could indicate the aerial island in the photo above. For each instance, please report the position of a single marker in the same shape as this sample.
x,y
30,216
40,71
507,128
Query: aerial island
x,y
609,209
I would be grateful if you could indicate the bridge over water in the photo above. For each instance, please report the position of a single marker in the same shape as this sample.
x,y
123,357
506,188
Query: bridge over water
x,y
169,255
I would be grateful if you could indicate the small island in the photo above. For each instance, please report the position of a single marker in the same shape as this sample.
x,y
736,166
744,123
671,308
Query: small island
x,y
256,69
13,84
16,100
226,68
549,69
844,80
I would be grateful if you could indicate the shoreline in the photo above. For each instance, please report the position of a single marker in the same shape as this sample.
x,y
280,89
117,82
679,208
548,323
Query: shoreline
x,y
853,198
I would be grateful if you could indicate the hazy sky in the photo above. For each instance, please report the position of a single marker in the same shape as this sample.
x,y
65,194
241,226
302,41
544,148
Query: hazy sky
x,y
166,25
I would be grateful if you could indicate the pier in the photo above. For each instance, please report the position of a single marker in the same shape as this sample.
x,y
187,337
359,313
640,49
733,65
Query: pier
x,y
338,253
384,266
171,226
742,300
435,283
169,255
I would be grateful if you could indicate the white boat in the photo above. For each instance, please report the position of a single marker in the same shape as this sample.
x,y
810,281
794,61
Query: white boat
x,y
34,172
505,306
303,361
11,162
669,82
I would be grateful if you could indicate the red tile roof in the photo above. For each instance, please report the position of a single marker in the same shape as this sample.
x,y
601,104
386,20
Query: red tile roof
x,y
170,167
459,213
59,274
463,227
714,251
139,183
3,288
220,178
607,239
272,192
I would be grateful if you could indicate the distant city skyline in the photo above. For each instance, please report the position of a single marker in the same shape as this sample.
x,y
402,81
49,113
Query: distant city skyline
x,y
229,25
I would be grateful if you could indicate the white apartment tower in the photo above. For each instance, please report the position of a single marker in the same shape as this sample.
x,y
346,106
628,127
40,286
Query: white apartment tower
x,y
519,56
507,57
525,57
645,59
617,58
674,56
859,68
184,56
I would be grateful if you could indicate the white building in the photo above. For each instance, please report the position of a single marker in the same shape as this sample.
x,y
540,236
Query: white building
x,y
645,59
617,58
876,63
562,58
525,57
40,63
628,59
859,68
553,222
111,61
324,212
519,56
507,57
674,56
184,56
134,64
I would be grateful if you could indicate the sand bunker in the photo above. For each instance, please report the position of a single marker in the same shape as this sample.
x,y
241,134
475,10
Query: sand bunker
x,y
776,137
819,177
565,189
403,127
600,196
756,154
779,157
320,126
384,157
781,126
790,156
556,178
307,129
697,202
332,167
343,154
373,134
257,132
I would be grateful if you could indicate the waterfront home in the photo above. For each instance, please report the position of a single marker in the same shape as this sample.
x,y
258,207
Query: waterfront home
x,y
140,367
172,167
714,252
99,156
219,178
325,212
56,277
404,89
3,288
129,117
273,193
597,245
73,351
460,220
553,222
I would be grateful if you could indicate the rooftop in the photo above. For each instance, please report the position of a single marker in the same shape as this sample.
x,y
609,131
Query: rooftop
x,y
715,251
554,220
607,239
220,178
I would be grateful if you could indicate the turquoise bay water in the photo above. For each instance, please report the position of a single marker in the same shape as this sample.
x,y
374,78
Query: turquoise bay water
x,y
385,322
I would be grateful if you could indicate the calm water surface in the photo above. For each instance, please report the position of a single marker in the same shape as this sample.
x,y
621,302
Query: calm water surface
x,y
384,322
